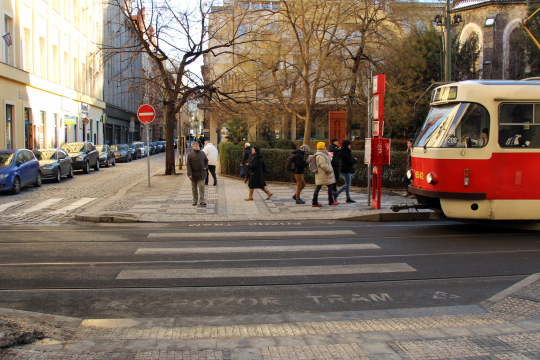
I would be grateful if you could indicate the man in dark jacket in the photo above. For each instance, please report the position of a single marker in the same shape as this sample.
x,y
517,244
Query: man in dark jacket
x,y
335,149
299,165
197,163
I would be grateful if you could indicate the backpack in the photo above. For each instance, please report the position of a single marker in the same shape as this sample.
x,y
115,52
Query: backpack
x,y
312,160
290,165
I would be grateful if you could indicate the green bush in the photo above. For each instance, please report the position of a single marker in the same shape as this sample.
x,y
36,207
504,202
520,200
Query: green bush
x,y
261,144
231,156
284,144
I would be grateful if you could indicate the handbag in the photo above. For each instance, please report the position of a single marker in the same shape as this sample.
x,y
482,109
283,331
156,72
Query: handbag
x,y
242,171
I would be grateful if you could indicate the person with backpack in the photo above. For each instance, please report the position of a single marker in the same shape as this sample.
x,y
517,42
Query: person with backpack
x,y
334,151
297,164
347,169
256,178
321,165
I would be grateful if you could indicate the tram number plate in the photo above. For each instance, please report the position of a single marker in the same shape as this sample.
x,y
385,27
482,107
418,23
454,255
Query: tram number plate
x,y
452,140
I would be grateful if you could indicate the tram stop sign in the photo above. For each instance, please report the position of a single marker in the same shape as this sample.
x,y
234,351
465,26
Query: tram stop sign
x,y
146,114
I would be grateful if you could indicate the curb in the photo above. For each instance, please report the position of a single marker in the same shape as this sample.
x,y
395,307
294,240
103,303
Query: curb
x,y
509,291
382,217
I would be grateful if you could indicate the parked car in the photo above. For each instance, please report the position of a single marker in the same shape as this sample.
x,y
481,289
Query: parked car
x,y
144,148
106,155
122,152
18,168
84,155
152,148
135,151
54,163
161,145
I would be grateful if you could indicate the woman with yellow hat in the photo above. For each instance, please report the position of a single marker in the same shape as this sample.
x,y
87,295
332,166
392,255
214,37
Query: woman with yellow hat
x,y
324,175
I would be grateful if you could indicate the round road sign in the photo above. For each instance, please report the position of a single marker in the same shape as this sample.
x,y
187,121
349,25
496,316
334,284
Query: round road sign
x,y
146,114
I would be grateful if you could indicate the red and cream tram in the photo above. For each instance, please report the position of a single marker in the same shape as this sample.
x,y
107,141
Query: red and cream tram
x,y
477,156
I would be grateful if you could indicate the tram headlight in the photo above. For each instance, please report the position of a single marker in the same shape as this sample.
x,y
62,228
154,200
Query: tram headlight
x,y
432,178
409,174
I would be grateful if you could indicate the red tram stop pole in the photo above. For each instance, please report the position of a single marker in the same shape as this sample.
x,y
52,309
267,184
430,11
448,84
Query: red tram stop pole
x,y
377,151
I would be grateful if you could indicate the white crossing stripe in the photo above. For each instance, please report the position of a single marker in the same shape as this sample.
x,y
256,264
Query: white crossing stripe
x,y
74,205
196,235
258,249
39,206
6,206
265,271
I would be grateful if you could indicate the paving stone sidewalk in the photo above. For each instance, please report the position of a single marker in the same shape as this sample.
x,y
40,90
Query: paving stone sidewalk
x,y
506,326
169,199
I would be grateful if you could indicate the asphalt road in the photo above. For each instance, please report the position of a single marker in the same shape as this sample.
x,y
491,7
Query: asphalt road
x,y
163,270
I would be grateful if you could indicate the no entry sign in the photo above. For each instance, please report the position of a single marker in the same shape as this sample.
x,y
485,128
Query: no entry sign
x,y
146,114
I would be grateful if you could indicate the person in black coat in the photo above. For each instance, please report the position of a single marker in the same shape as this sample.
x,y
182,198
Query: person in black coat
x,y
299,165
256,177
245,161
347,169
336,150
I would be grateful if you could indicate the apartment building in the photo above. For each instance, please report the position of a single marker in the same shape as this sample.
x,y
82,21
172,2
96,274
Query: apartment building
x,y
50,73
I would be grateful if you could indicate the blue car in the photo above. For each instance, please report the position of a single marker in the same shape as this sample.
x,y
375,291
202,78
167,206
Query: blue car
x,y
18,168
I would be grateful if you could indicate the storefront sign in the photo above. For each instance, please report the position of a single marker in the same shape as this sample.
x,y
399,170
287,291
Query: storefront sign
x,y
85,109
86,121
70,120
105,119
23,95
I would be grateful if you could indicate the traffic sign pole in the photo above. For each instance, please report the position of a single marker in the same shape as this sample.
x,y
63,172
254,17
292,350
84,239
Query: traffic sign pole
x,y
146,115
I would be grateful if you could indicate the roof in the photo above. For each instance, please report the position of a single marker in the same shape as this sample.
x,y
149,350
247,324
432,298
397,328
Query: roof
x,y
461,4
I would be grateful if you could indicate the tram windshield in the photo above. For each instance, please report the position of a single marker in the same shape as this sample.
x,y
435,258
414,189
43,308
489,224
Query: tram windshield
x,y
455,125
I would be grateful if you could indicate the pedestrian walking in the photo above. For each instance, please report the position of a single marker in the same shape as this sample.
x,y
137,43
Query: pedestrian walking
x,y
406,180
324,175
334,151
256,177
245,160
299,165
212,155
197,163
347,169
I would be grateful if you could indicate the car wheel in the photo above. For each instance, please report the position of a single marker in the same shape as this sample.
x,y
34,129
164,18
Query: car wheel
x,y
58,176
70,173
107,164
96,168
86,168
16,186
38,180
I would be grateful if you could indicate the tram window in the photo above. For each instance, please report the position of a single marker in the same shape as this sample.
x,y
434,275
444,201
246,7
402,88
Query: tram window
x,y
471,130
519,125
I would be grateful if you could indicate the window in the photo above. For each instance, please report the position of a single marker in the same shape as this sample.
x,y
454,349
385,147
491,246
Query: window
x,y
9,126
470,130
83,79
75,75
55,5
8,28
65,71
27,45
42,58
519,125
66,9
20,158
28,156
41,130
54,72
75,11
56,143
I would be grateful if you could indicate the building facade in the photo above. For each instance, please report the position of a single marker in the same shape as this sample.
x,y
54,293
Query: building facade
x,y
496,22
51,83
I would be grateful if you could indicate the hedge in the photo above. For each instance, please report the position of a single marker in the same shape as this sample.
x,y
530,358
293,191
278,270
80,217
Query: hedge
x,y
396,145
231,156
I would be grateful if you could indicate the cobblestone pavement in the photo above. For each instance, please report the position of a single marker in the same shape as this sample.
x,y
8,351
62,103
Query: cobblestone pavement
x,y
54,203
508,329
170,199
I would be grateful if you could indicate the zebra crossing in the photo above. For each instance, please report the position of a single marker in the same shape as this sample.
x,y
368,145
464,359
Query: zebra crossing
x,y
18,209
250,249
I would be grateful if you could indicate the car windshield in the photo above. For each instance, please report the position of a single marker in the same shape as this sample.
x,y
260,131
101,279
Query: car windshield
x,y
119,147
45,154
101,148
73,147
132,146
6,159
437,123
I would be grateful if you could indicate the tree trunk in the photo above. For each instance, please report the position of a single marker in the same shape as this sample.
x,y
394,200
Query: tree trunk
x,y
307,129
169,138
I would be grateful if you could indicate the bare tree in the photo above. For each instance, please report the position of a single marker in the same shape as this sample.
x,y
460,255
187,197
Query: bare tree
x,y
171,39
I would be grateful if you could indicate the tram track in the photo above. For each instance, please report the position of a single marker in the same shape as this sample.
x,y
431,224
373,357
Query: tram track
x,y
269,285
